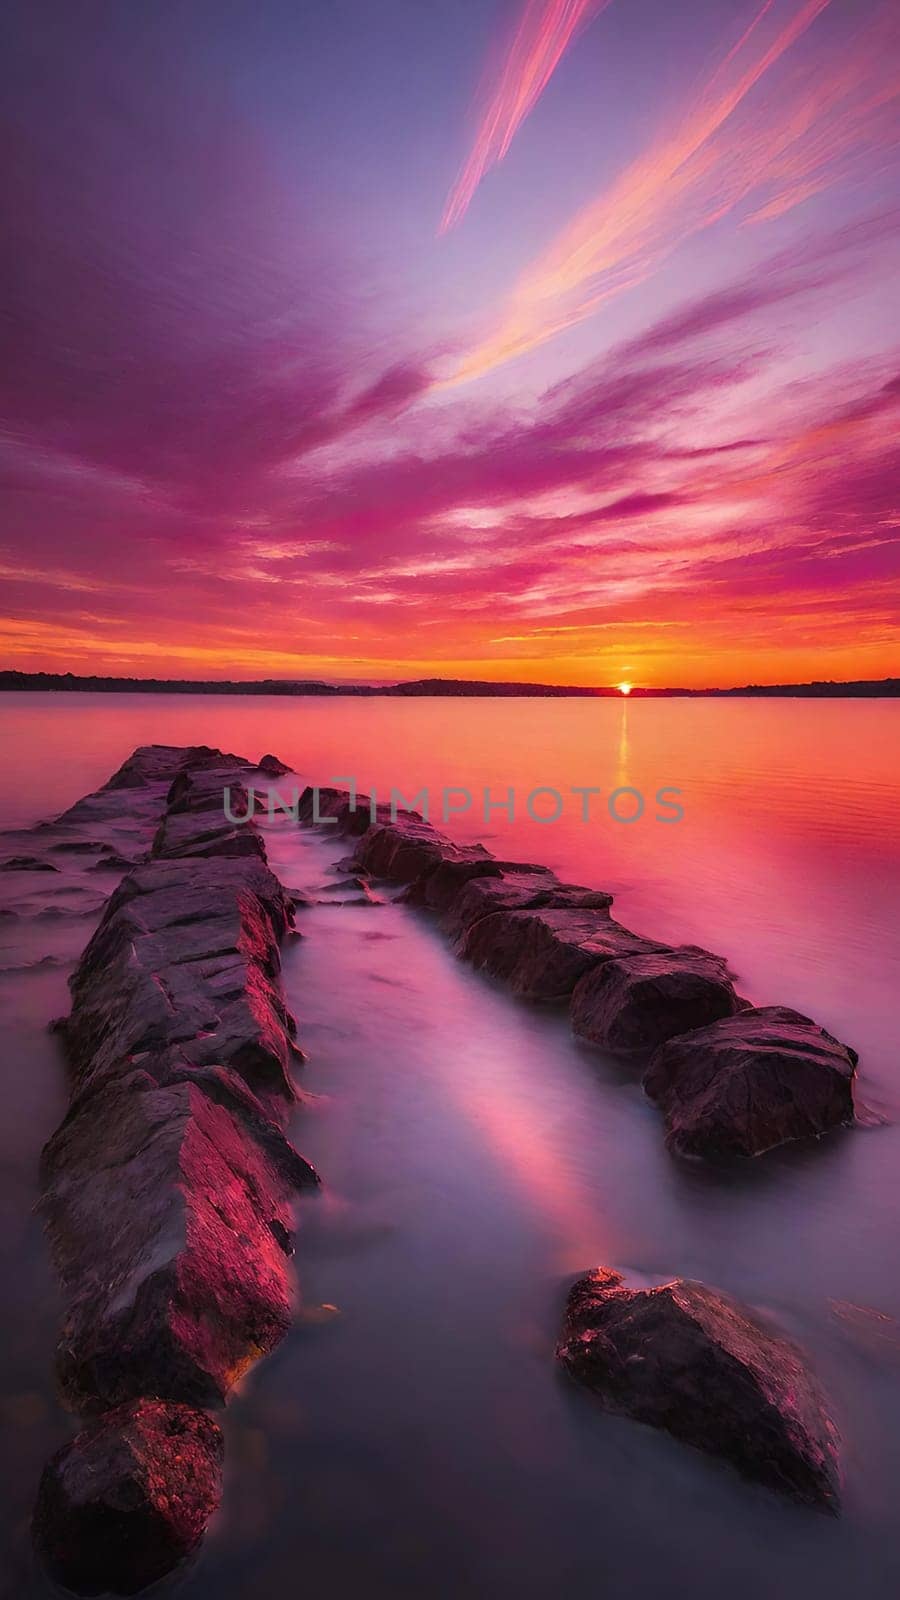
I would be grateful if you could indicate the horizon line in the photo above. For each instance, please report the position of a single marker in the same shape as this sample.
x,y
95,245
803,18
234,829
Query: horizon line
x,y
42,681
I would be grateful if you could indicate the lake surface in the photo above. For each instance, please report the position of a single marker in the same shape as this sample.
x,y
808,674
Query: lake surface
x,y
417,1440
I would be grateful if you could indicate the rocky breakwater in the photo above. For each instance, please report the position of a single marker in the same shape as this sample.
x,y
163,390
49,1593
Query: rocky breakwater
x,y
732,1079
168,1188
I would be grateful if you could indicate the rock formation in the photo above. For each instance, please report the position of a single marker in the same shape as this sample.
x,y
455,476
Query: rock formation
x,y
749,1082
694,1362
168,1188
636,1002
130,1497
732,1080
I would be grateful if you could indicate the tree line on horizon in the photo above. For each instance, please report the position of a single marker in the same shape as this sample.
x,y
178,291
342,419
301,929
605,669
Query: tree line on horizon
x,y
68,682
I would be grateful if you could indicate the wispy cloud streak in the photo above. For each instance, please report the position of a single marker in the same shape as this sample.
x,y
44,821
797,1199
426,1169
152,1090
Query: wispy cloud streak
x,y
542,38
834,110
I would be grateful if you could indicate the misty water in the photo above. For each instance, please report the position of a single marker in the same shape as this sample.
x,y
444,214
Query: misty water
x,y
413,1436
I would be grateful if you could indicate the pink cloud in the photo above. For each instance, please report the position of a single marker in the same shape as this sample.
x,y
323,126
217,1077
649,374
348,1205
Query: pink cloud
x,y
546,30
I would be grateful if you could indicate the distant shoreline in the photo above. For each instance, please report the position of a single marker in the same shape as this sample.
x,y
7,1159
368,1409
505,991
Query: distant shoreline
x,y
70,683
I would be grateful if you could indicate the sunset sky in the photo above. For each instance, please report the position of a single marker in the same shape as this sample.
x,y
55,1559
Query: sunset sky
x,y
548,340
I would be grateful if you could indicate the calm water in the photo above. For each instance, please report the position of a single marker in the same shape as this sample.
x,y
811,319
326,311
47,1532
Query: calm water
x,y
419,1441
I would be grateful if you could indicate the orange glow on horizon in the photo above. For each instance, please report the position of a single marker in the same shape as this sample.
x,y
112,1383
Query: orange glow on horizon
x,y
697,652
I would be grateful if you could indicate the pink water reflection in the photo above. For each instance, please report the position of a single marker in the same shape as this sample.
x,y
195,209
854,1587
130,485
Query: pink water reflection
x,y
787,859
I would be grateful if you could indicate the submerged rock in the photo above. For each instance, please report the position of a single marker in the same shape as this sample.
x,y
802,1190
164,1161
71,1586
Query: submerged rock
x,y
27,864
129,1497
632,1005
113,863
692,1361
750,1082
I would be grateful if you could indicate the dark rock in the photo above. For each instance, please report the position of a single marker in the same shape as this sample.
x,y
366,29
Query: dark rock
x,y
187,955
694,1362
147,775
283,1237
405,849
112,863
273,768
129,1497
168,1189
750,1082
161,763
225,1088
165,1179
333,809
181,891
542,953
27,864
516,889
159,1205
439,888
207,790
207,832
632,1005
322,801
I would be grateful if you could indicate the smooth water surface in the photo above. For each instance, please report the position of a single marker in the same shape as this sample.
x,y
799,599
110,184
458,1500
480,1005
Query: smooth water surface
x,y
413,1437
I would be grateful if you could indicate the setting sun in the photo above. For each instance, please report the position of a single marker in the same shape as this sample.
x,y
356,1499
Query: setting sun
x,y
624,688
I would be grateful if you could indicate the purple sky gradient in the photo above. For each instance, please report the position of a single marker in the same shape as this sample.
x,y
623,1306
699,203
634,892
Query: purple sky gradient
x,y
258,416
